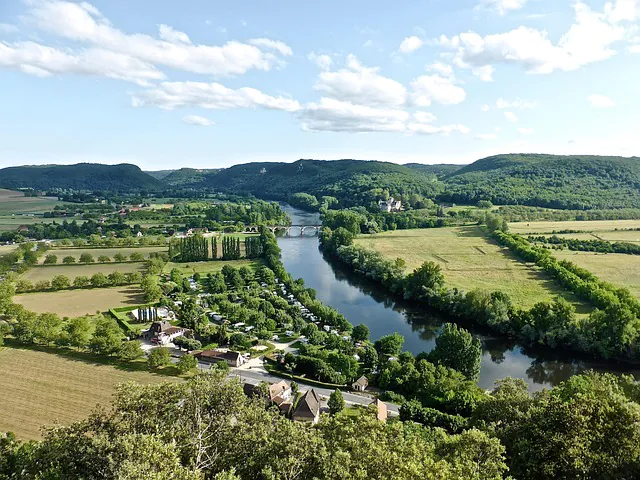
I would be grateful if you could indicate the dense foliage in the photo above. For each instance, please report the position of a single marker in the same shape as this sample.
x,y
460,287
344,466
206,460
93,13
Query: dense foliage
x,y
82,176
578,182
207,428
612,330
351,182
581,245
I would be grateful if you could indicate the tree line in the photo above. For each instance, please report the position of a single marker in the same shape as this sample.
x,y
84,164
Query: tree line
x,y
610,331
600,246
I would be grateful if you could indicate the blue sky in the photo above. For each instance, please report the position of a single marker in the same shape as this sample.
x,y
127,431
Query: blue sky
x,y
202,83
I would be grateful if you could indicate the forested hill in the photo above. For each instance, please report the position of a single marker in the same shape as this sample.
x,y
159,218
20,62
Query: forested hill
x,y
82,176
574,182
352,182
440,170
187,176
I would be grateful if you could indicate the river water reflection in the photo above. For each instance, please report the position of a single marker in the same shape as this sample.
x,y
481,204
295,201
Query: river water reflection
x,y
361,301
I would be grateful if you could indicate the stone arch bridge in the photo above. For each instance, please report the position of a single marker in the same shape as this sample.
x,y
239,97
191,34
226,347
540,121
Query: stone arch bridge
x,y
292,230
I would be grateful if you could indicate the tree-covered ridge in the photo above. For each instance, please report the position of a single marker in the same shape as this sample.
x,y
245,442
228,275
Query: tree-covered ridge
x,y
82,176
352,182
187,176
440,170
574,182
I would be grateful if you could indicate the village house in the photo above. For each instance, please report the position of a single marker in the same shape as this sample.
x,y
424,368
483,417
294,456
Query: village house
x,y
308,408
234,359
361,384
280,392
163,333
390,205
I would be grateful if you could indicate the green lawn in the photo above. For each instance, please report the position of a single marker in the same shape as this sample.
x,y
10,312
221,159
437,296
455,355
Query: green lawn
x,y
213,266
469,261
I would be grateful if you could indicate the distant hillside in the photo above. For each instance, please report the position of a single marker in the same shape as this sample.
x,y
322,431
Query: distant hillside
x,y
575,182
82,176
352,182
440,170
159,174
187,176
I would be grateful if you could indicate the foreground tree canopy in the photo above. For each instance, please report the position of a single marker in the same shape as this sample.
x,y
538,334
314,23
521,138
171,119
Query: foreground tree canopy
x,y
589,427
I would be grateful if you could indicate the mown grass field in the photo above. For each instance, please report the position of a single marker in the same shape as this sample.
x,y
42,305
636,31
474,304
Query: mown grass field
x,y
15,202
39,388
469,261
74,303
12,222
209,267
583,226
619,269
47,272
5,249
96,252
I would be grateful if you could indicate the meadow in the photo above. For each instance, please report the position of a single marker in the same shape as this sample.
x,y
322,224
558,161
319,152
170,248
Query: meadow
x,y
75,303
469,261
96,252
580,225
619,269
39,388
213,266
15,202
47,272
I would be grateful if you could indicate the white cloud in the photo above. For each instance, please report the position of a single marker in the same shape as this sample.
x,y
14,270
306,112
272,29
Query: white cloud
x,y
526,131
444,130
511,117
440,68
486,136
367,44
332,115
484,73
503,6
590,39
434,88
601,101
269,44
171,95
173,36
341,116
197,120
321,60
8,28
622,10
485,108
424,117
518,104
35,59
83,23
410,44
361,85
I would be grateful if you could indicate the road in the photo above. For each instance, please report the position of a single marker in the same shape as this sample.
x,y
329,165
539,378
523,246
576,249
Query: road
x,y
257,376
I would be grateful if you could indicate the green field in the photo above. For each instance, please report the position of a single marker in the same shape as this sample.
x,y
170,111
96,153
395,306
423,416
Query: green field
x,y
15,202
619,269
5,249
469,261
96,252
209,267
75,303
38,388
583,226
72,271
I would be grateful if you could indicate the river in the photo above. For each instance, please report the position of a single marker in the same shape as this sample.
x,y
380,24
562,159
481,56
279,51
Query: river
x,y
361,301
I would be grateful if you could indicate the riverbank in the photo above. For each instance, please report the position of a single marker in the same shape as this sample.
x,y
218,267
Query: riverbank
x,y
362,301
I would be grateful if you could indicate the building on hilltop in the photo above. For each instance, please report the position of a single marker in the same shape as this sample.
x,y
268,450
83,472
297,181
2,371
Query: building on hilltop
x,y
390,205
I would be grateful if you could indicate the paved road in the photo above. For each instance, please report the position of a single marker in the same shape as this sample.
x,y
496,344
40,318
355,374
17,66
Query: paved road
x,y
257,376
